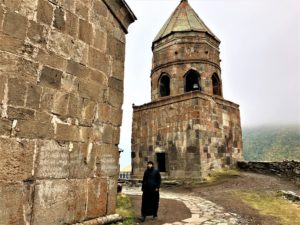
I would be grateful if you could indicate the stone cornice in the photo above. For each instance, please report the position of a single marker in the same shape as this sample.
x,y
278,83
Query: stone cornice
x,y
157,42
121,12
184,97
179,62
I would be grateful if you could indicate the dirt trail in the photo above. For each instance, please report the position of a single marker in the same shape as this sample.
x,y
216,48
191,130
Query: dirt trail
x,y
221,194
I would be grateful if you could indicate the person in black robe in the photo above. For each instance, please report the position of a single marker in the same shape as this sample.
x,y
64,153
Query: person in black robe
x,y
150,188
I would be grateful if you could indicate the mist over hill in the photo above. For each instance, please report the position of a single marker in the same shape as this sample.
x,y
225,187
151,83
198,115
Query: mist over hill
x,y
271,143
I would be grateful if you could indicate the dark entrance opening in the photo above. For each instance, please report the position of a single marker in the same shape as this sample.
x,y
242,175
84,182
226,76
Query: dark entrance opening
x,y
192,79
161,162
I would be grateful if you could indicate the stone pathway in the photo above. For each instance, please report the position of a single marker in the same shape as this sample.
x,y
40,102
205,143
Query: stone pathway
x,y
203,211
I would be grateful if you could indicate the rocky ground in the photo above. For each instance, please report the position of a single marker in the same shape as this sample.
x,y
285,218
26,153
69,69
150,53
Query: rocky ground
x,y
213,203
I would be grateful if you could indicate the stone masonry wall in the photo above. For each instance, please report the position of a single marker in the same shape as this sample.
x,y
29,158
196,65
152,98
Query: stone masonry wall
x,y
289,169
61,91
197,132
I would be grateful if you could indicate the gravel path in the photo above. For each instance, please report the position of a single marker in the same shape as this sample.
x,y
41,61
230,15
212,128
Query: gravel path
x,y
203,211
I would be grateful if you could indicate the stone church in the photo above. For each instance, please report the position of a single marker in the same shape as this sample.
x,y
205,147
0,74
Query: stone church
x,y
188,128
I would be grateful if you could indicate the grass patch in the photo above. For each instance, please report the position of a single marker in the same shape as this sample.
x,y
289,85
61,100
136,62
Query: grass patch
x,y
124,209
221,174
286,212
296,182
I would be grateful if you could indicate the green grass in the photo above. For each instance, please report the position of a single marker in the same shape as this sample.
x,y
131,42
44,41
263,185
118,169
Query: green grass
x,y
288,213
296,182
221,174
124,209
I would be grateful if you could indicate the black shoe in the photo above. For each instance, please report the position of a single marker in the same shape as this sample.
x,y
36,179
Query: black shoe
x,y
143,218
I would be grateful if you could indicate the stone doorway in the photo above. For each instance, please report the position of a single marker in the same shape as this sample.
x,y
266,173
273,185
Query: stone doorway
x,y
161,161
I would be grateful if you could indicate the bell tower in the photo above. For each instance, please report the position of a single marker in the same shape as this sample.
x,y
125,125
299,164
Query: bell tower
x,y
185,56
188,128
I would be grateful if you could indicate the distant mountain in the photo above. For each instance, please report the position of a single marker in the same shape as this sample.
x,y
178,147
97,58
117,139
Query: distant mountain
x,y
271,143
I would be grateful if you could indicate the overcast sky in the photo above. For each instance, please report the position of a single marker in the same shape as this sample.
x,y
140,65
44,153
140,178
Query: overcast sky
x,y
260,52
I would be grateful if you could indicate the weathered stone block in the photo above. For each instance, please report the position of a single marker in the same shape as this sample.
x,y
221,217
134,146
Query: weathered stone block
x,y
73,107
3,83
81,10
115,98
33,96
15,25
100,9
10,44
16,92
15,203
112,195
100,40
20,113
107,161
77,69
116,48
99,77
118,70
116,116
116,136
91,90
82,160
69,5
45,12
17,67
43,116
51,77
28,9
65,132
86,134
97,197
59,201
77,196
104,113
107,134
88,112
34,129
69,83
36,33
12,5
47,98
52,160
51,59
5,127
1,16
16,158
60,103
71,24
59,21
115,83
98,60
85,31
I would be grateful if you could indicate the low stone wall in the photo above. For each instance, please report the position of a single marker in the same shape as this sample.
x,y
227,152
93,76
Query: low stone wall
x,y
290,169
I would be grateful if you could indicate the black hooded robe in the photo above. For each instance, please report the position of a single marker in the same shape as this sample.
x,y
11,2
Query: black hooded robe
x,y
150,198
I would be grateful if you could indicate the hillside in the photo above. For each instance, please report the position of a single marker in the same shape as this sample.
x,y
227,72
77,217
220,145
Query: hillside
x,y
271,143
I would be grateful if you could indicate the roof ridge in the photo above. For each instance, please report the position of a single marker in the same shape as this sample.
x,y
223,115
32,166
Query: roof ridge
x,y
187,14
183,19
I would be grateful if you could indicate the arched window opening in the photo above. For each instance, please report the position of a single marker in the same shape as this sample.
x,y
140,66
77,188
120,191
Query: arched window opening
x,y
216,85
164,86
192,79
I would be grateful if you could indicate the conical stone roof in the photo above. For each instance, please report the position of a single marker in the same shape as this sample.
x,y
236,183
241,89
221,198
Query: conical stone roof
x,y
183,19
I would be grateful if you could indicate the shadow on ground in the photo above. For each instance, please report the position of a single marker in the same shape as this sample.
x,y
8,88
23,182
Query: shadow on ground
x,y
169,211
